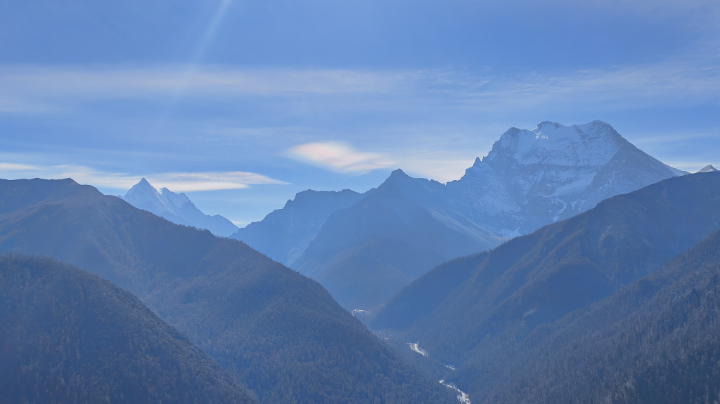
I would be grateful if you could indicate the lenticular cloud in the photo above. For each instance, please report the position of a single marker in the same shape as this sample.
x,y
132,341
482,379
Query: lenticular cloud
x,y
339,156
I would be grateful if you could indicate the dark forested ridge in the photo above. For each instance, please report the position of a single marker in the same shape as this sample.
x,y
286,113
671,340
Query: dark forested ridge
x,y
469,310
655,341
70,337
281,333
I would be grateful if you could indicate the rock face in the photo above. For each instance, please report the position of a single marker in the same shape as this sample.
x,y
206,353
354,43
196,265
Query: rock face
x,y
366,253
176,208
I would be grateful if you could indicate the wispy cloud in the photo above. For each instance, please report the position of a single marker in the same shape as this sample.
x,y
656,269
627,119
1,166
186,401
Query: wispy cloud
x,y
23,82
16,167
339,156
177,182
210,181
440,165
21,87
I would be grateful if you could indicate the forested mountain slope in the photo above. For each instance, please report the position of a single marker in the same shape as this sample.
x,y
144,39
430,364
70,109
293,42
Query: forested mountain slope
x,y
654,341
366,253
70,337
474,306
279,332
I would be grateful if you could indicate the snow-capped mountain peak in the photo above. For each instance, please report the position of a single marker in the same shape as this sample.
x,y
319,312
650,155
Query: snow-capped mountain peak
x,y
144,196
552,172
176,208
551,143
708,169
172,199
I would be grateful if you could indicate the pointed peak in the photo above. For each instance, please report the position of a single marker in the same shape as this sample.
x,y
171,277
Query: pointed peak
x,y
399,174
708,169
142,186
397,177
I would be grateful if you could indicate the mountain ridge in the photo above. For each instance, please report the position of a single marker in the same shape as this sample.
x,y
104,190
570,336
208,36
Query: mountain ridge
x,y
529,179
467,310
279,332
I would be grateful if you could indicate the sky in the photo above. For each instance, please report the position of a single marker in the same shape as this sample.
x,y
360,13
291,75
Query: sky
x,y
241,104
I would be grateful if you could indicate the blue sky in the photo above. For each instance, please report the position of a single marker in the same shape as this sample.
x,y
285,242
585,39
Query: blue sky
x,y
241,104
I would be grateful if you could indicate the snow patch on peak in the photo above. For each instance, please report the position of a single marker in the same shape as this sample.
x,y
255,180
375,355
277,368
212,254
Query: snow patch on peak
x,y
176,200
550,143
708,169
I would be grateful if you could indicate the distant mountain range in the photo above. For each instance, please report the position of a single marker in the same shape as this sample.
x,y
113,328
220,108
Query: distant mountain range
x,y
176,208
285,233
278,332
366,252
476,313
70,337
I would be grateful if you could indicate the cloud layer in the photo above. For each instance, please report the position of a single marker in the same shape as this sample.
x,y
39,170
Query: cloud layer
x,y
339,156
176,182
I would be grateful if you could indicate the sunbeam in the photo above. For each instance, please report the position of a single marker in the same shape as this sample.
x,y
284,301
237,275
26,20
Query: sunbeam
x,y
192,67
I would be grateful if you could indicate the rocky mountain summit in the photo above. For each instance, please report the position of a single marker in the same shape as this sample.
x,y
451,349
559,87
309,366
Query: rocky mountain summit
x,y
176,208
535,177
